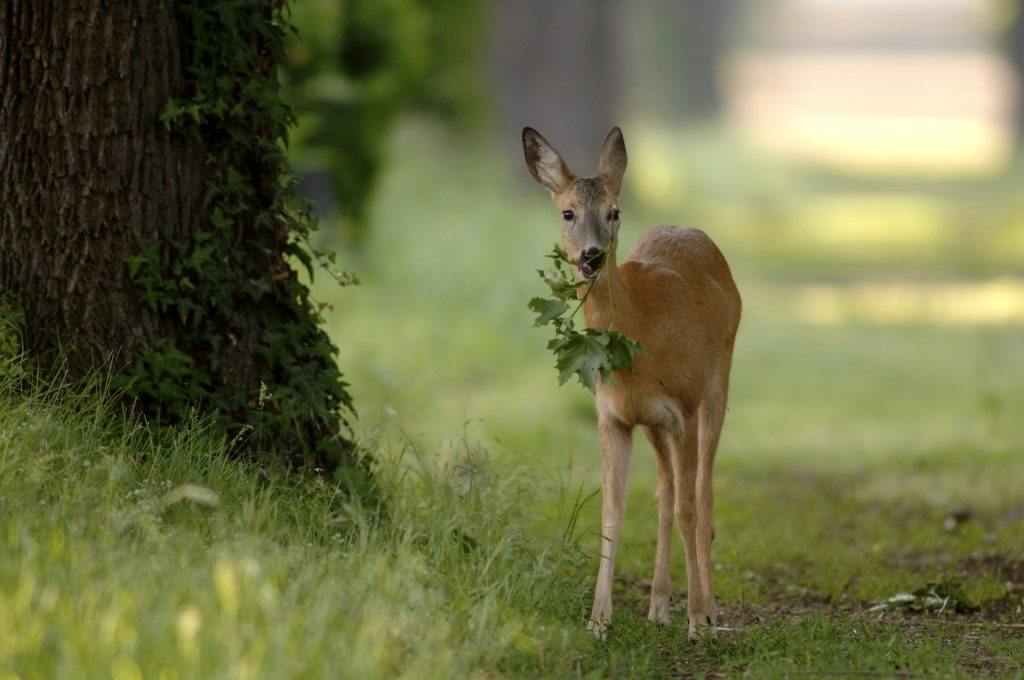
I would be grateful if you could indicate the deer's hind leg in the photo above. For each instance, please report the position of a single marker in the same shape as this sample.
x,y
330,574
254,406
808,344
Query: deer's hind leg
x,y
710,416
685,467
661,588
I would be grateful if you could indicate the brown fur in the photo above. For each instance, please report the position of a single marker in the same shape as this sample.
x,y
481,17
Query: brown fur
x,y
675,294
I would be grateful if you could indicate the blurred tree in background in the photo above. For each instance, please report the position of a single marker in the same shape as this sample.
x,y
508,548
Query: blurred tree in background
x,y
559,66
355,66
575,68
1013,48
684,44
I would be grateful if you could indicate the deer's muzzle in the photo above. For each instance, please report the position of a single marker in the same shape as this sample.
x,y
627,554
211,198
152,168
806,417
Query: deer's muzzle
x,y
591,260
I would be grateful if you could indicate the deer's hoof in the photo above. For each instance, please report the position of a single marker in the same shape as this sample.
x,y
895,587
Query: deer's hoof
x,y
598,629
659,612
700,626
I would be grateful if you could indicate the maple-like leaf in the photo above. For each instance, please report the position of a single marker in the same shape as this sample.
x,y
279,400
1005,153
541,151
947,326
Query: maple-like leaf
x,y
547,309
582,354
621,351
561,288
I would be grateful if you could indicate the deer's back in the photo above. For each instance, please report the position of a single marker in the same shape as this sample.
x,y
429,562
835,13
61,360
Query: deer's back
x,y
694,258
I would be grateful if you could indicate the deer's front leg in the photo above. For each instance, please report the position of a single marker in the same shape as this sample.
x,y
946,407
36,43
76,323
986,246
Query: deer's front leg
x,y
661,586
615,442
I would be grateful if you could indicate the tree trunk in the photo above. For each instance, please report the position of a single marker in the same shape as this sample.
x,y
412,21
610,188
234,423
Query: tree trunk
x,y
87,173
146,218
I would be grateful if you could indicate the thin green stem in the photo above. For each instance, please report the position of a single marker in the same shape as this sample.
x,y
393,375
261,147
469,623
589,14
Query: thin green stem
x,y
611,300
583,299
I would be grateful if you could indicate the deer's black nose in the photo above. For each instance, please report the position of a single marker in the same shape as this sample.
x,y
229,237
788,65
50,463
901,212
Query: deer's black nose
x,y
591,260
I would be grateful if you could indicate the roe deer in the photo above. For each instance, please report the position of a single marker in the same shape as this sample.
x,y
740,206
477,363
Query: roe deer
x,y
675,294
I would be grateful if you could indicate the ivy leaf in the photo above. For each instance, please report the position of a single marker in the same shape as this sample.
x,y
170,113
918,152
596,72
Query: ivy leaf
x,y
547,310
304,257
170,114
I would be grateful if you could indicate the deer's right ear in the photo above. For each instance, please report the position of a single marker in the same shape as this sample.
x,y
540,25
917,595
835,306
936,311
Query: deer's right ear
x,y
544,163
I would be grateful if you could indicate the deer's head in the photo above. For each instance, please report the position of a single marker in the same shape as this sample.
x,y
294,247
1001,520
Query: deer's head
x,y
589,205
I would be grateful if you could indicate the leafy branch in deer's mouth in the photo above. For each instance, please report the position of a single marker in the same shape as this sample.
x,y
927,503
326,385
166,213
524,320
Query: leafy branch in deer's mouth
x,y
590,352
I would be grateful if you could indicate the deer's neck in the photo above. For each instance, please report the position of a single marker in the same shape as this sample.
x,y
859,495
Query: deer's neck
x,y
607,303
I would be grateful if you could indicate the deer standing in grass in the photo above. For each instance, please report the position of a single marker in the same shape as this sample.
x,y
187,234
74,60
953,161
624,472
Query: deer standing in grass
x,y
675,294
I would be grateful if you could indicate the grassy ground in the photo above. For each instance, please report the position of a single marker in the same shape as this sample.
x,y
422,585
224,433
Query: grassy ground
x,y
863,456
130,554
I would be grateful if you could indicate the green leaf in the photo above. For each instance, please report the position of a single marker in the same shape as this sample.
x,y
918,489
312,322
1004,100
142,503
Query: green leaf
x,y
621,351
560,285
547,310
582,354
559,255
558,279
170,113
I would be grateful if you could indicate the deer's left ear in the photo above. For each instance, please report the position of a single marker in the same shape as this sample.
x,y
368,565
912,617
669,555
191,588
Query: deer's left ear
x,y
612,163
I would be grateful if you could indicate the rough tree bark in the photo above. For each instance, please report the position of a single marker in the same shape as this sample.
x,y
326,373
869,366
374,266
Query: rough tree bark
x,y
90,177
87,173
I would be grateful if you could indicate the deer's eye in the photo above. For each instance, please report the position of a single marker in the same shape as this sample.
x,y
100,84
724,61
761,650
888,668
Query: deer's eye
x,y
567,215
613,215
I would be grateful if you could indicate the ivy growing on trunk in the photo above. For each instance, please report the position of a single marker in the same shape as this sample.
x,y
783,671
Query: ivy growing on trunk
x,y
246,339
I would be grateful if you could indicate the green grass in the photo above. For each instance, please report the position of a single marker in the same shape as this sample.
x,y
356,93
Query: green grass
x,y
845,449
104,575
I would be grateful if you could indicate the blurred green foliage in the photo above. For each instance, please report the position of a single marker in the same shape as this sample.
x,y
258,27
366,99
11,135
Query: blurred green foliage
x,y
357,65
